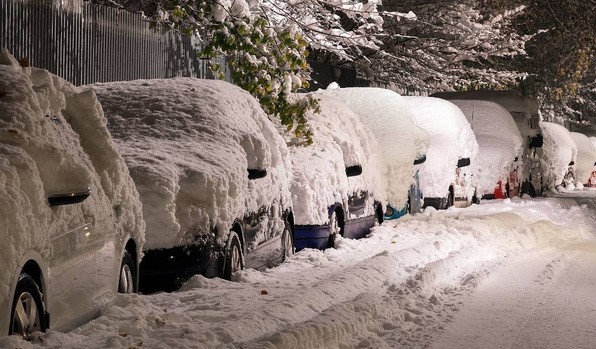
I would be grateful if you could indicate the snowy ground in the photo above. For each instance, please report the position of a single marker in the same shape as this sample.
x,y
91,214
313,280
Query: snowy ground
x,y
502,274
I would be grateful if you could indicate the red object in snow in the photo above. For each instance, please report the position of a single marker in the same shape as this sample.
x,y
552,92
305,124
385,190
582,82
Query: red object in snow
x,y
499,193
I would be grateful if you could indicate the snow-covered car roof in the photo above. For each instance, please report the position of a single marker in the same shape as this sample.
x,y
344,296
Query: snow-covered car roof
x,y
451,139
54,140
586,156
188,144
559,150
499,140
388,116
339,140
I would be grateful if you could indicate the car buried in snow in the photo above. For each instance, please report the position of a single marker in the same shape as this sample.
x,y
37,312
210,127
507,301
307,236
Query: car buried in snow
x,y
388,116
559,154
499,147
337,187
585,167
212,172
526,114
71,227
447,175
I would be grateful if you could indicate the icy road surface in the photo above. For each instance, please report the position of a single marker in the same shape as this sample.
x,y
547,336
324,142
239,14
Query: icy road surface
x,y
517,273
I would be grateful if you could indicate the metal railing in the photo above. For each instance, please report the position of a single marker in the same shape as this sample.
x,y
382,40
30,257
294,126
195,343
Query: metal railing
x,y
86,43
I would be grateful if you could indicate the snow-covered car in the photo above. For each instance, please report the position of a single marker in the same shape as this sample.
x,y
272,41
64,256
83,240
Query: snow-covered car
x,y
559,154
388,116
71,225
525,112
212,172
446,178
499,147
585,166
337,187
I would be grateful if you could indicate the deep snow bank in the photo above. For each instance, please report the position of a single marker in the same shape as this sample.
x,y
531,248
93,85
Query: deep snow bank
x,y
392,289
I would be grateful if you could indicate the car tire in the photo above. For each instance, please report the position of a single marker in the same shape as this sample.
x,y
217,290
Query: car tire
x,y
28,310
234,261
378,216
334,229
127,280
287,240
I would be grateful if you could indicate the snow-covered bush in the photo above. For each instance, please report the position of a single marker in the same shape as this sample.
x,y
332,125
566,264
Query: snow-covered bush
x,y
451,139
54,141
388,116
188,143
559,151
499,141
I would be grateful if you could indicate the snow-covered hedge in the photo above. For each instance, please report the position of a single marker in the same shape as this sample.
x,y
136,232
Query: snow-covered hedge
x,y
53,140
388,116
499,141
189,143
559,150
586,157
339,140
451,139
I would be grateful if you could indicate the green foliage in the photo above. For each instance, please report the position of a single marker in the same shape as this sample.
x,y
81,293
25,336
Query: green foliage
x,y
269,62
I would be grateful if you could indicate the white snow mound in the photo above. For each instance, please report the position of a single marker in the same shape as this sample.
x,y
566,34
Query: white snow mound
x,y
559,150
586,157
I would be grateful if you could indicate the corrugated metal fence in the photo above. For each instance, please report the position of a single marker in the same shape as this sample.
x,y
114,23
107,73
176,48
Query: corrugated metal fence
x,y
86,43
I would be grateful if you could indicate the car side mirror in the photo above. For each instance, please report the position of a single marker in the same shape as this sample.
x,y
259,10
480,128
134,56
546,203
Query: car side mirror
x,y
68,198
536,141
463,162
420,160
256,174
352,171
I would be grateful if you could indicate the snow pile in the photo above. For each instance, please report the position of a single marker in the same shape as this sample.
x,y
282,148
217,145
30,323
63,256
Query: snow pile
x,y
53,140
339,140
451,139
499,141
586,158
559,150
397,288
189,143
390,119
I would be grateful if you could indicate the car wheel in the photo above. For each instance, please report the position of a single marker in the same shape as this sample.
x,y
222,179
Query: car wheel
x,y
27,315
334,229
287,242
127,275
378,216
234,260
409,205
